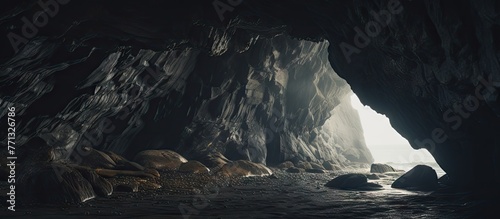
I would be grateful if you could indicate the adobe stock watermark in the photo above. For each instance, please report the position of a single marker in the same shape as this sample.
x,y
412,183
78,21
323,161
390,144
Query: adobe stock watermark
x,y
461,111
372,29
30,28
223,7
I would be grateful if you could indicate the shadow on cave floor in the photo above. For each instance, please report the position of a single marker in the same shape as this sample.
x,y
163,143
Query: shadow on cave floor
x,y
283,195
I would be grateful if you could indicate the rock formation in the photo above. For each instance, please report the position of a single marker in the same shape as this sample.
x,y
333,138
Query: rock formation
x,y
420,177
266,98
252,83
381,168
352,181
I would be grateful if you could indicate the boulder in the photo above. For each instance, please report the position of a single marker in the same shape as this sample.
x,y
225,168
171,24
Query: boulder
x,y
53,183
193,166
381,168
160,159
244,168
421,177
348,181
295,170
352,181
285,165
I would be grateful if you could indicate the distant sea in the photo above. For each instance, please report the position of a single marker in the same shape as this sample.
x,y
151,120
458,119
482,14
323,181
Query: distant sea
x,y
403,157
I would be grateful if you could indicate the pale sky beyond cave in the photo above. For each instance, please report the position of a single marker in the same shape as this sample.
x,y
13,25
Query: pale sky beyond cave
x,y
384,142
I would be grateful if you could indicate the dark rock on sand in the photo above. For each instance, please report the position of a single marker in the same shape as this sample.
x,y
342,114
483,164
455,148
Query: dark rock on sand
x,y
348,181
160,159
54,183
381,168
285,165
352,181
244,168
421,177
295,170
40,180
314,170
193,166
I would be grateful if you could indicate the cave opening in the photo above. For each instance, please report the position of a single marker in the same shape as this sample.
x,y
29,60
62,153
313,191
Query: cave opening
x,y
386,145
244,109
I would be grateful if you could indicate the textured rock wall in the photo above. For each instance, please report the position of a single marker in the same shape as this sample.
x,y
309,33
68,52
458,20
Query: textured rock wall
x,y
343,130
432,68
260,97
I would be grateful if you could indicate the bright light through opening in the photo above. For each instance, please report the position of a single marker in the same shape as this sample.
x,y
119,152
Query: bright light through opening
x,y
387,145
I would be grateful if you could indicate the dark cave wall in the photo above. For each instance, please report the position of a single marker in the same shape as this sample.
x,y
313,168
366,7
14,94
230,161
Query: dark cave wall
x,y
422,69
258,97
433,72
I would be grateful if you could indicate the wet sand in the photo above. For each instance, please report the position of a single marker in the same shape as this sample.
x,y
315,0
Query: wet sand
x,y
284,195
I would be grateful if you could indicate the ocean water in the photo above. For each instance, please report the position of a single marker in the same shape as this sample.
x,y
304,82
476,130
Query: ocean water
x,y
403,157
285,195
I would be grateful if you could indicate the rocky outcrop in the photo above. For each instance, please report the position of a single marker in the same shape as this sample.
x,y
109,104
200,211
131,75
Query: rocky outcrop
x,y
420,177
352,181
56,183
264,97
239,85
381,168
